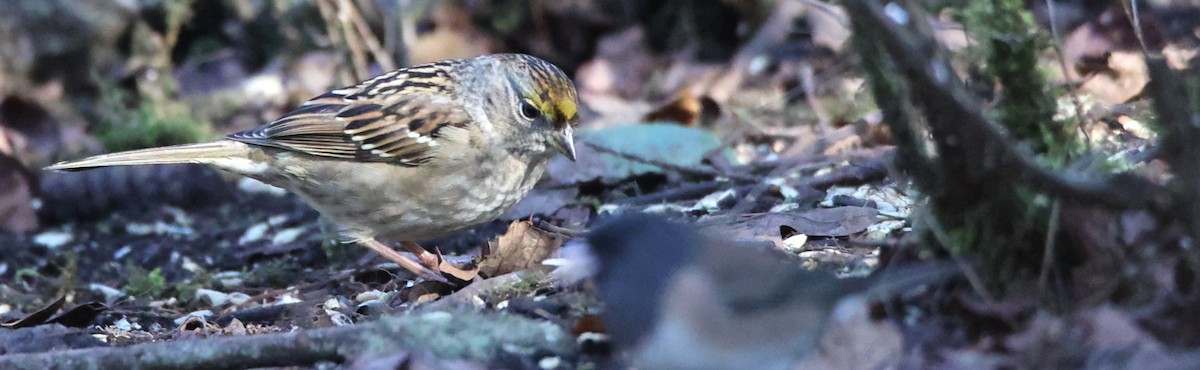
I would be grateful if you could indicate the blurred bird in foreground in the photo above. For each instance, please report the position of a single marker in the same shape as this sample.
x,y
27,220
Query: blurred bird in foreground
x,y
414,154
675,299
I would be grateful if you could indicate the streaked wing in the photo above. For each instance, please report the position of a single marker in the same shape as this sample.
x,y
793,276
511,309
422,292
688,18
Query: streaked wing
x,y
391,118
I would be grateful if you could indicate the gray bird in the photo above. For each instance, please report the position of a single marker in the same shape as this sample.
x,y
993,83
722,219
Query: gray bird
x,y
675,299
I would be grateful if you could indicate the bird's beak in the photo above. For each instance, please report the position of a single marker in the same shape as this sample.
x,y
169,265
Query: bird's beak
x,y
565,142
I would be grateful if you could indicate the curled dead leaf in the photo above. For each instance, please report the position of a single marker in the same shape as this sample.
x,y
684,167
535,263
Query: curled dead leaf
x,y
523,246
687,109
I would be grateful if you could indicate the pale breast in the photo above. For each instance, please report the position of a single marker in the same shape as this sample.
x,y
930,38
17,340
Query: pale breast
x,y
413,203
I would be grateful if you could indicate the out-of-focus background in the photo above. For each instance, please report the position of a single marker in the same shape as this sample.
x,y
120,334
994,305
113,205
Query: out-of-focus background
x,y
756,118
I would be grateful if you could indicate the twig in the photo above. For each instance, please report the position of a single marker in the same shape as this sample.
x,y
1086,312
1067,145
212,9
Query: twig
x,y
542,224
682,192
357,56
875,169
946,241
809,84
364,32
336,39
1051,242
1135,19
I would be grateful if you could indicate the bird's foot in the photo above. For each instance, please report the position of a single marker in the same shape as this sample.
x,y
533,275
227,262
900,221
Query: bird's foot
x,y
405,262
437,262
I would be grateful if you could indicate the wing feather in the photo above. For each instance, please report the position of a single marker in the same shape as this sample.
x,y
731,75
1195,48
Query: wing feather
x,y
392,118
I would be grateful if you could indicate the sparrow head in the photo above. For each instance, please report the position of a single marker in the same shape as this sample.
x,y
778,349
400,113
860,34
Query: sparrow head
x,y
540,99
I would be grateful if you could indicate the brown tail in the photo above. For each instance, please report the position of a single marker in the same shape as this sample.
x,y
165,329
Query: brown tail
x,y
215,152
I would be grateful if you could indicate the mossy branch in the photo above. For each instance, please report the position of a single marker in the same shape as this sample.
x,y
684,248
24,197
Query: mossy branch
x,y
982,186
461,334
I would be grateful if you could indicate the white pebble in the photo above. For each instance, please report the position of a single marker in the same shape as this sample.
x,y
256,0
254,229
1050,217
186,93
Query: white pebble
x,y
53,239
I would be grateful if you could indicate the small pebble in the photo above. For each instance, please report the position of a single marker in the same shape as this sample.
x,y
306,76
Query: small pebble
x,y
287,235
53,239
254,233
200,314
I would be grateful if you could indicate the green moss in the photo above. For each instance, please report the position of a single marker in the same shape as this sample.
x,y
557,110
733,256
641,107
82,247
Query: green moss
x,y
154,116
1013,41
527,285
142,283
186,290
276,272
148,124
977,211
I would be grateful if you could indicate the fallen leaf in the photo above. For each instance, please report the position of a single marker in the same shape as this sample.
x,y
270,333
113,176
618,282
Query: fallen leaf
x,y
667,144
235,328
1126,77
687,109
834,222
79,316
521,247
454,36
37,318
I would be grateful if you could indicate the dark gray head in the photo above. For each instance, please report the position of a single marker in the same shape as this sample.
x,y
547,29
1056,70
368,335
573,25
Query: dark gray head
x,y
638,255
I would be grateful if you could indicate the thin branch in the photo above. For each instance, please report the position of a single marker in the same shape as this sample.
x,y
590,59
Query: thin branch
x,y
1135,19
336,38
1051,242
944,239
681,192
357,55
364,32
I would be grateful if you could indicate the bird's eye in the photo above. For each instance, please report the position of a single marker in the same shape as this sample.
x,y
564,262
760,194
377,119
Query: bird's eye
x,y
529,111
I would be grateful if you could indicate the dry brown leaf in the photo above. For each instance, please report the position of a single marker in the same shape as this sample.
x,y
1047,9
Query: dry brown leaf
x,y
844,145
6,147
235,328
453,37
521,247
685,109
1126,77
37,318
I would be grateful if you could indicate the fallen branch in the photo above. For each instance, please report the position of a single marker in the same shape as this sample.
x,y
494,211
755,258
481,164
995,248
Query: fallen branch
x,y
462,334
681,192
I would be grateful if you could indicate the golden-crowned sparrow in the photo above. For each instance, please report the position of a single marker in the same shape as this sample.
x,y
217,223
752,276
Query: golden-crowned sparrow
x,y
417,153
